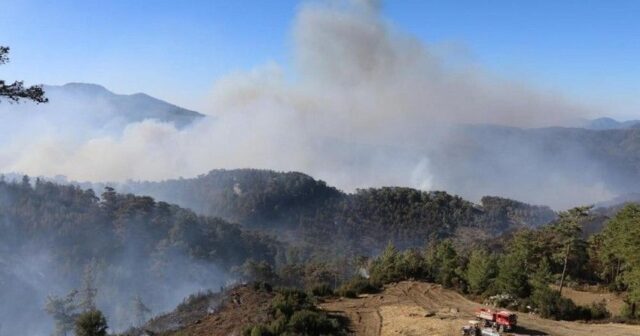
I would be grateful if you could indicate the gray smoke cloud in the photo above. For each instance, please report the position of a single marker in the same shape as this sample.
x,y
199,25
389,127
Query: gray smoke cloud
x,y
366,105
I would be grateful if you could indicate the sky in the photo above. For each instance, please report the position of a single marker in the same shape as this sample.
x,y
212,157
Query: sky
x,y
176,50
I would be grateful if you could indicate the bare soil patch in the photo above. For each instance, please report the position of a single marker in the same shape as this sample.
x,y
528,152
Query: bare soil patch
x,y
418,308
613,301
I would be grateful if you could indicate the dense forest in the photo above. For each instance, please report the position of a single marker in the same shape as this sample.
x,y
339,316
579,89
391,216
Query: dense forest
x,y
128,246
69,250
295,205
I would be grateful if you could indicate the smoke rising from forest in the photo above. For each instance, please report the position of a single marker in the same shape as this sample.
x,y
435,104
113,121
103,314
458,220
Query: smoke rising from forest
x,y
64,251
362,105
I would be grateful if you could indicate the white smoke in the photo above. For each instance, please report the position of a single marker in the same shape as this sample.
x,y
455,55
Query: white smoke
x,y
365,107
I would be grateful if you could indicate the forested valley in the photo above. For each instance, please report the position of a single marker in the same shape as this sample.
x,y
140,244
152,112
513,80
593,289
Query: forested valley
x,y
67,249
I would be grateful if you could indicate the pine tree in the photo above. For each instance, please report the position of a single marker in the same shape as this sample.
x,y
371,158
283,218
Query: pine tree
x,y
543,276
91,323
384,269
16,91
442,259
568,230
512,276
481,271
621,238
63,310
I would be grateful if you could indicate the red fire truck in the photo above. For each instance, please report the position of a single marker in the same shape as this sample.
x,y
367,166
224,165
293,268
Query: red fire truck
x,y
502,320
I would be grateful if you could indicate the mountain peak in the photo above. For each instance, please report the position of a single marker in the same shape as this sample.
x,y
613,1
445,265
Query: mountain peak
x,y
86,88
95,99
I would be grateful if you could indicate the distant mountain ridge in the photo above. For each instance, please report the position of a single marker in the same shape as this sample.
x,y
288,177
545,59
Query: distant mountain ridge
x,y
607,123
89,110
134,107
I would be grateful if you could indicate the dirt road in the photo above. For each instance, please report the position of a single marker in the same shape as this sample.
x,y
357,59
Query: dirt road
x,y
417,308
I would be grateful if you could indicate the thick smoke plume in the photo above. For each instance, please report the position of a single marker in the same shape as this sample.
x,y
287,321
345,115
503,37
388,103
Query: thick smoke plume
x,y
364,105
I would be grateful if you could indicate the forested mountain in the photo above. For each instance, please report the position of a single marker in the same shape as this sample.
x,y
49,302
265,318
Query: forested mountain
x,y
56,237
250,196
502,214
296,205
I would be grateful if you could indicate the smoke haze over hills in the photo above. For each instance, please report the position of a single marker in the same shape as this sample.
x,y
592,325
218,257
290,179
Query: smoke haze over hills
x,y
364,105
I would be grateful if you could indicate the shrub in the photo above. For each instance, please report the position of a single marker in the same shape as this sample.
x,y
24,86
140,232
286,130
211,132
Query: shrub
x,y
598,311
322,290
287,301
629,312
279,325
257,330
307,322
550,304
91,323
262,286
355,286
503,301
293,313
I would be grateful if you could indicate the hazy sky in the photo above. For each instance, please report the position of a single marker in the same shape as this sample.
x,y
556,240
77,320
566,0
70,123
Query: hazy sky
x,y
176,50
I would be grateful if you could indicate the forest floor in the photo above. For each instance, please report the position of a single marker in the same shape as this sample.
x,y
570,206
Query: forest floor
x,y
418,308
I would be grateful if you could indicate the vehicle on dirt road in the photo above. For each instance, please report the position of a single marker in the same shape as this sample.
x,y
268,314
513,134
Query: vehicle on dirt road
x,y
501,320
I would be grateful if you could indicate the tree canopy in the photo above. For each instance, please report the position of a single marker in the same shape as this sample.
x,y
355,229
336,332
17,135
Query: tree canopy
x,y
17,91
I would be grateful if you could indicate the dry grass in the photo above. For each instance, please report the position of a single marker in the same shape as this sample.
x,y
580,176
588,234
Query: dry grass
x,y
613,301
418,308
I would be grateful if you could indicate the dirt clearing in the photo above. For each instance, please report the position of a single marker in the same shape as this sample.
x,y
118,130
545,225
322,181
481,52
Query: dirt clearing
x,y
613,302
418,308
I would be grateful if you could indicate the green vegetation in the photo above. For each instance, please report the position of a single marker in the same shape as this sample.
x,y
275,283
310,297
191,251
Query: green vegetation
x,y
295,205
91,323
16,91
481,271
63,310
357,285
618,253
523,271
293,312
414,234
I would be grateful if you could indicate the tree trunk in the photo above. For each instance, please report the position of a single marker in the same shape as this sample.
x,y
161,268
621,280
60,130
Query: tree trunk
x,y
564,268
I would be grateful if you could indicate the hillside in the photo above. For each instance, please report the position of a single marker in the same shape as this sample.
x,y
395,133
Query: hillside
x,y
211,314
296,205
404,308
59,238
